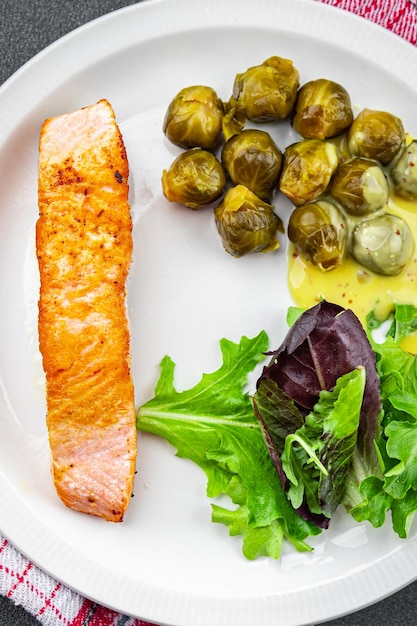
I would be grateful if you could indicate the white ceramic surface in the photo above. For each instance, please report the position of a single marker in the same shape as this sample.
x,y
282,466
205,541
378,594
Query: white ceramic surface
x,y
167,562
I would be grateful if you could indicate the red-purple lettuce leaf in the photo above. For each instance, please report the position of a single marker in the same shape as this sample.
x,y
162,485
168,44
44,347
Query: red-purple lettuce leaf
x,y
326,342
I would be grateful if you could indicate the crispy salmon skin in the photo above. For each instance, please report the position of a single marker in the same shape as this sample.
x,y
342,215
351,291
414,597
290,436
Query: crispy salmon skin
x,y
84,250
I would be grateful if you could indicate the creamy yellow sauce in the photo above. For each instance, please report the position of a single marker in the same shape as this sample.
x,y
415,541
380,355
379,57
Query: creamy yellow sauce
x,y
355,287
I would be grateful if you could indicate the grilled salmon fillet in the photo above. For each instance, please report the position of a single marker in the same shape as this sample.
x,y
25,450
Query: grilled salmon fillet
x,y
84,250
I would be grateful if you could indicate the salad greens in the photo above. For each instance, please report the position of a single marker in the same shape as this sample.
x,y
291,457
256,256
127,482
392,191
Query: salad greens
x,y
396,488
316,468
326,409
270,487
214,426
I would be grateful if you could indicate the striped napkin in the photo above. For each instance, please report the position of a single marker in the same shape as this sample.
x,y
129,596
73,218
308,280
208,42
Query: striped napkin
x,y
399,16
49,601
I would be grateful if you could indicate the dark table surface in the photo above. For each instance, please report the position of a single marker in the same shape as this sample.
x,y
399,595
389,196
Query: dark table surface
x,y
26,27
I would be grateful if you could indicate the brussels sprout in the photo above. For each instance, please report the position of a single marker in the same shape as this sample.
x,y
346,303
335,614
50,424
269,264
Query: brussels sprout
x,y
251,158
194,118
234,120
404,173
268,91
360,186
245,223
195,178
322,109
319,233
307,170
376,135
384,244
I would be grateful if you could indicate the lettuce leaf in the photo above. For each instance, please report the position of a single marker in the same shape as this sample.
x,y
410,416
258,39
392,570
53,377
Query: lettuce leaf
x,y
396,490
317,456
324,343
302,417
213,425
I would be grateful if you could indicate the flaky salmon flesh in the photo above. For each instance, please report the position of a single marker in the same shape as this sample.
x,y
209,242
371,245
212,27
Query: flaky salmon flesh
x,y
84,251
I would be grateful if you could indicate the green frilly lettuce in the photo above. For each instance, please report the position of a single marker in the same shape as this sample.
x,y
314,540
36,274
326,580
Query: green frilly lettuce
x,y
213,425
395,489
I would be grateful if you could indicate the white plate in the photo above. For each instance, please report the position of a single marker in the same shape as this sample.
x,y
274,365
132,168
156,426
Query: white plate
x,y
167,562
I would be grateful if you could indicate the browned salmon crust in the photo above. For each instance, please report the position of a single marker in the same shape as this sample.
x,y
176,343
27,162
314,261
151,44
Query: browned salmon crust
x,y
84,250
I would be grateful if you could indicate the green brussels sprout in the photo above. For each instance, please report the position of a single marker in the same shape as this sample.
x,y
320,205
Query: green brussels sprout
x,y
234,120
404,173
194,118
194,179
251,158
360,186
322,109
307,170
376,135
319,233
383,243
246,223
268,91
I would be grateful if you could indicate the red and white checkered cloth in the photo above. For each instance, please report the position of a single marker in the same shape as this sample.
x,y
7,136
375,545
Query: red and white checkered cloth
x,y
49,601
399,16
